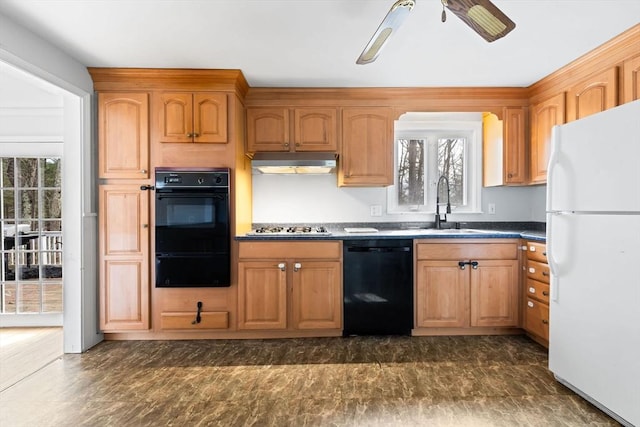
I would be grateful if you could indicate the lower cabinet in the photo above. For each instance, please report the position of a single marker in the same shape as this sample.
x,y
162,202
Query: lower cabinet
x,y
124,257
536,315
466,285
192,309
290,286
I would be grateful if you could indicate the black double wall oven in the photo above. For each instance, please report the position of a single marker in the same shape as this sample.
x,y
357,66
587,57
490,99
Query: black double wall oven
x,y
192,229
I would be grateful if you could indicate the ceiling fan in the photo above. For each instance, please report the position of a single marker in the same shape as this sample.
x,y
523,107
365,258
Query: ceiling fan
x,y
481,15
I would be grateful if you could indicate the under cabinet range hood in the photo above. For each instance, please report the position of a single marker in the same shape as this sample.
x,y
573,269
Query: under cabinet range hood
x,y
293,163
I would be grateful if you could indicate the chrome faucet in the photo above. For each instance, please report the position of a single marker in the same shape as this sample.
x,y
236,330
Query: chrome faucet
x,y
440,220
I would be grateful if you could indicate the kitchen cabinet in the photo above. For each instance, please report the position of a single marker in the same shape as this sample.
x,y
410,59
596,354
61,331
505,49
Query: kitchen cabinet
x,y
191,309
631,79
291,129
123,224
123,135
290,286
504,148
593,95
191,117
536,319
466,285
366,157
544,116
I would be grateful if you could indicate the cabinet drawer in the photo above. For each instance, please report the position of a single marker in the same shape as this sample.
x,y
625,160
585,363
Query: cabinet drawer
x,y
208,320
538,271
289,249
537,251
466,251
537,318
538,290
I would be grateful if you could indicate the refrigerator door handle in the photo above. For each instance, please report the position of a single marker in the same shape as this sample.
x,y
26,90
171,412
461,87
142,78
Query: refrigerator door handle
x,y
553,161
553,264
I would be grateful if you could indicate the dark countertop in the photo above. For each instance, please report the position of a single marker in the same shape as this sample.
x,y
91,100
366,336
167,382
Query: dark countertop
x,y
531,231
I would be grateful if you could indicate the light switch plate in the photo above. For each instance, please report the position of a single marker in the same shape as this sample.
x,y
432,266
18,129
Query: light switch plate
x,y
376,210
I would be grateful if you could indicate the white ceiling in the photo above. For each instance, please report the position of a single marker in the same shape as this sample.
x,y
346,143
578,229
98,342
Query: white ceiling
x,y
315,43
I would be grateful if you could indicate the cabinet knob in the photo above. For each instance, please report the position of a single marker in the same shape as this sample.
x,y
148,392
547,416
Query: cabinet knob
x,y
532,270
297,266
297,144
546,322
510,175
545,273
285,145
143,171
190,135
195,135
282,266
145,225
545,293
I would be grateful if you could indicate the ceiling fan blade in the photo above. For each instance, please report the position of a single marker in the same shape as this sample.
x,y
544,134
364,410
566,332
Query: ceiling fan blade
x,y
482,16
391,23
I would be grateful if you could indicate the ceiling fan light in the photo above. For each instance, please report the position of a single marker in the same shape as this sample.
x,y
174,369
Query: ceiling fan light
x,y
486,20
391,22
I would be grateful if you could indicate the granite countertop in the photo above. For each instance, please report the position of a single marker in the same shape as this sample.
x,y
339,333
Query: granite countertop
x,y
467,230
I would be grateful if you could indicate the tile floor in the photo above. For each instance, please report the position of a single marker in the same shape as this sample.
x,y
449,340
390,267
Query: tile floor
x,y
358,381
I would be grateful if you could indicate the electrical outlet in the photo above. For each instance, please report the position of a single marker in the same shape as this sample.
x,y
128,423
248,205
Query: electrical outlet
x,y
492,208
376,210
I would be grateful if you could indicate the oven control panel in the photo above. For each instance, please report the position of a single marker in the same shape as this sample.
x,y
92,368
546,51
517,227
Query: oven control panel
x,y
205,178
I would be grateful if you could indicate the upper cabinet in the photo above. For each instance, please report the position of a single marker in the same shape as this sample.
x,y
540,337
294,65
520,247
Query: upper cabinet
x,y
544,116
631,79
504,148
123,135
192,117
296,129
593,95
367,147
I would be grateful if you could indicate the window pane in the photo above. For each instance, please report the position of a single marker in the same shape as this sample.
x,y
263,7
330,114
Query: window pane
x,y
7,171
52,298
51,265
28,204
411,172
451,165
29,298
52,204
28,173
9,301
54,225
8,200
51,172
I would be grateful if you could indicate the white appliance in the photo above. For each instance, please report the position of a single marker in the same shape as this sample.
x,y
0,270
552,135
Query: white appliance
x,y
593,247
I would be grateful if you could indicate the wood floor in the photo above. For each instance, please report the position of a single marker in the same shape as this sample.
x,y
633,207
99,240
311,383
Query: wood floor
x,y
24,351
358,381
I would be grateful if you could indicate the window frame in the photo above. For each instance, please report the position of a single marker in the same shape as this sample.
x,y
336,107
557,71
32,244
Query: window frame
x,y
421,126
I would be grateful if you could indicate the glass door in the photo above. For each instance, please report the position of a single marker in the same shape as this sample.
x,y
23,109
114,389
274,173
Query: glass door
x,y
31,279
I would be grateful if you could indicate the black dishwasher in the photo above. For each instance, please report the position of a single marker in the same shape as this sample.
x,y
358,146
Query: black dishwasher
x,y
378,287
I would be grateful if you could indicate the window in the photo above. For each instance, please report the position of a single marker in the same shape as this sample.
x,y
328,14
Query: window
x,y
31,247
428,147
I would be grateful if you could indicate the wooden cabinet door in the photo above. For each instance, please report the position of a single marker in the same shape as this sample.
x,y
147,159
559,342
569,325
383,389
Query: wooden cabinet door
x,y
631,82
315,129
123,135
544,116
124,257
367,147
210,117
596,94
515,169
442,294
317,295
175,116
494,293
268,129
262,295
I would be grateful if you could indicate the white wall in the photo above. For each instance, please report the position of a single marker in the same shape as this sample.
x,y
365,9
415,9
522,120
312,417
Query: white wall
x,y
318,199
23,49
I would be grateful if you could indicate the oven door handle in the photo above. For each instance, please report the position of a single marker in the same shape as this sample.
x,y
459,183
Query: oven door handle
x,y
161,196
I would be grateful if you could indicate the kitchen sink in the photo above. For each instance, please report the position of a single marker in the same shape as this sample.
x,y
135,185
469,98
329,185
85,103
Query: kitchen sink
x,y
456,231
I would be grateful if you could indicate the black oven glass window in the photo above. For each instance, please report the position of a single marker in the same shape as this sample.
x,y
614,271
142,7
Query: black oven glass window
x,y
192,212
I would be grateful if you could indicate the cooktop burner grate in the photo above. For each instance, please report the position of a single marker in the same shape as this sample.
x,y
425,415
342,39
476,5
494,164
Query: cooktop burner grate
x,y
291,230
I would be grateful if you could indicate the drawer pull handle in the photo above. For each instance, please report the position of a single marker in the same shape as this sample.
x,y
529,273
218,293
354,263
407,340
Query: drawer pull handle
x,y
532,270
546,322
545,293
198,318
545,273
532,248
530,304
532,290
544,253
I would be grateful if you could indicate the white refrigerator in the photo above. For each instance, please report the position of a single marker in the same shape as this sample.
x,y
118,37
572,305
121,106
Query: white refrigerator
x,y
593,249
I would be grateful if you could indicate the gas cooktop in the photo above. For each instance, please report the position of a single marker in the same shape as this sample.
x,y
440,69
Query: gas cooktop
x,y
287,231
